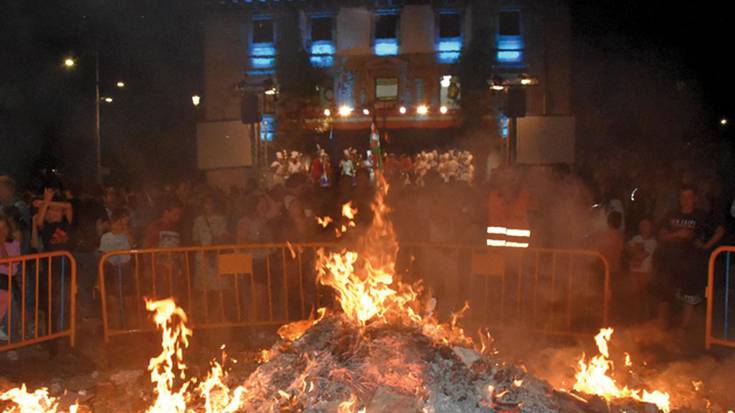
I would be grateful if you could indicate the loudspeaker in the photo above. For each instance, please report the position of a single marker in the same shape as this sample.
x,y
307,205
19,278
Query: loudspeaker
x,y
249,108
516,105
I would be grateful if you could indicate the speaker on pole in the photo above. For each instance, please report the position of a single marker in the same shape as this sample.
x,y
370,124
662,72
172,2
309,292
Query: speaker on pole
x,y
516,105
249,112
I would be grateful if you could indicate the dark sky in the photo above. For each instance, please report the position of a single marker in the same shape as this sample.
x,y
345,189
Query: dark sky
x,y
693,40
153,45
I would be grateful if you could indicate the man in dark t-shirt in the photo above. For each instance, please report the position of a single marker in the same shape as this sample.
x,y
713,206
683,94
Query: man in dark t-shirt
x,y
686,237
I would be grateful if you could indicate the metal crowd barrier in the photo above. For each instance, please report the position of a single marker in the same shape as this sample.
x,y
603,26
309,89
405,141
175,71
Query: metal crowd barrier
x,y
218,286
548,291
41,299
540,290
719,295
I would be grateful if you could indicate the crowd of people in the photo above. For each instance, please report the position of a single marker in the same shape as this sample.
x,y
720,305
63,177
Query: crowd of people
x,y
654,231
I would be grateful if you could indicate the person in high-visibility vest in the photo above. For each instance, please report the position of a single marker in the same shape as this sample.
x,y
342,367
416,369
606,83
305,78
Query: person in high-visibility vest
x,y
508,213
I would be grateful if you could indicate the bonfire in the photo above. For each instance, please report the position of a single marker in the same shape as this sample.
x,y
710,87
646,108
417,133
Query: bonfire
x,y
382,350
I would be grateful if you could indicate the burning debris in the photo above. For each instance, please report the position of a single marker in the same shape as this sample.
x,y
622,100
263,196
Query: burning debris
x,y
385,351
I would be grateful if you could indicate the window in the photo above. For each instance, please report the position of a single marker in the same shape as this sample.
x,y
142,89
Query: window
x,y
322,45
386,34
509,41
386,26
263,31
386,88
321,29
449,45
262,50
509,23
449,25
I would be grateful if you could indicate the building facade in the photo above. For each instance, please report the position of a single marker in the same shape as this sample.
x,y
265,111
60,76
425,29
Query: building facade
x,y
393,62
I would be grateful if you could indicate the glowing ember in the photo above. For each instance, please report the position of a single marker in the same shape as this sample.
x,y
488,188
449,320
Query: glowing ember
x,y
293,331
348,406
324,222
593,378
348,211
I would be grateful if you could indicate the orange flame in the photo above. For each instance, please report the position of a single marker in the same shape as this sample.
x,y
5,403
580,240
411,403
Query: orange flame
x,y
324,222
366,286
174,337
294,331
348,406
37,402
593,378
348,211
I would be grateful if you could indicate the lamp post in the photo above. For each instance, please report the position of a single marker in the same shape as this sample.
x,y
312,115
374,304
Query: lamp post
x,y
70,63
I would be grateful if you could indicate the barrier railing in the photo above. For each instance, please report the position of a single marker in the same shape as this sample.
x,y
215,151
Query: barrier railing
x,y
218,286
549,291
719,295
546,290
39,302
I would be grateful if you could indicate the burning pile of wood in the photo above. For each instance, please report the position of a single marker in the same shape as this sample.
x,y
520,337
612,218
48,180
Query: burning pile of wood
x,y
337,367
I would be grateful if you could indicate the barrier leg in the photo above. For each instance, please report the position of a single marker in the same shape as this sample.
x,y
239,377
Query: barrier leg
x,y
726,326
120,296
62,293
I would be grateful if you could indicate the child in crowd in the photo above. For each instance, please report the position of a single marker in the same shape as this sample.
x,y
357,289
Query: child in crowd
x,y
640,253
118,238
611,243
8,248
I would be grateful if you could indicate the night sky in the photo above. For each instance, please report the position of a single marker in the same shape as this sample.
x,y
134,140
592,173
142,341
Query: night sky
x,y
639,64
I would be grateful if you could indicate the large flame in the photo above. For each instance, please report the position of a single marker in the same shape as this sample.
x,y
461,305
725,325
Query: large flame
x,y
366,286
594,377
38,401
163,368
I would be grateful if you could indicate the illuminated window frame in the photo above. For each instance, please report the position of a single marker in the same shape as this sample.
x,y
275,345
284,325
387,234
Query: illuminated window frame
x,y
509,49
386,46
262,55
321,52
448,49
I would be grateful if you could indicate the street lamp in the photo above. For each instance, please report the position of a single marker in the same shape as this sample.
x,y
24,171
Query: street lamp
x,y
366,112
723,121
69,62
327,112
120,84
107,99
195,99
422,110
443,110
402,110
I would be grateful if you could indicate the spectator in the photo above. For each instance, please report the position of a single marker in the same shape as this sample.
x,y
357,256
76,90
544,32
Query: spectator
x,y
118,238
8,199
210,228
164,232
52,224
641,249
686,235
611,243
8,248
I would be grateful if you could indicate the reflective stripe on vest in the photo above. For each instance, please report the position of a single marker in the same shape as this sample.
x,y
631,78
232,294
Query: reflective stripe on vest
x,y
508,237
